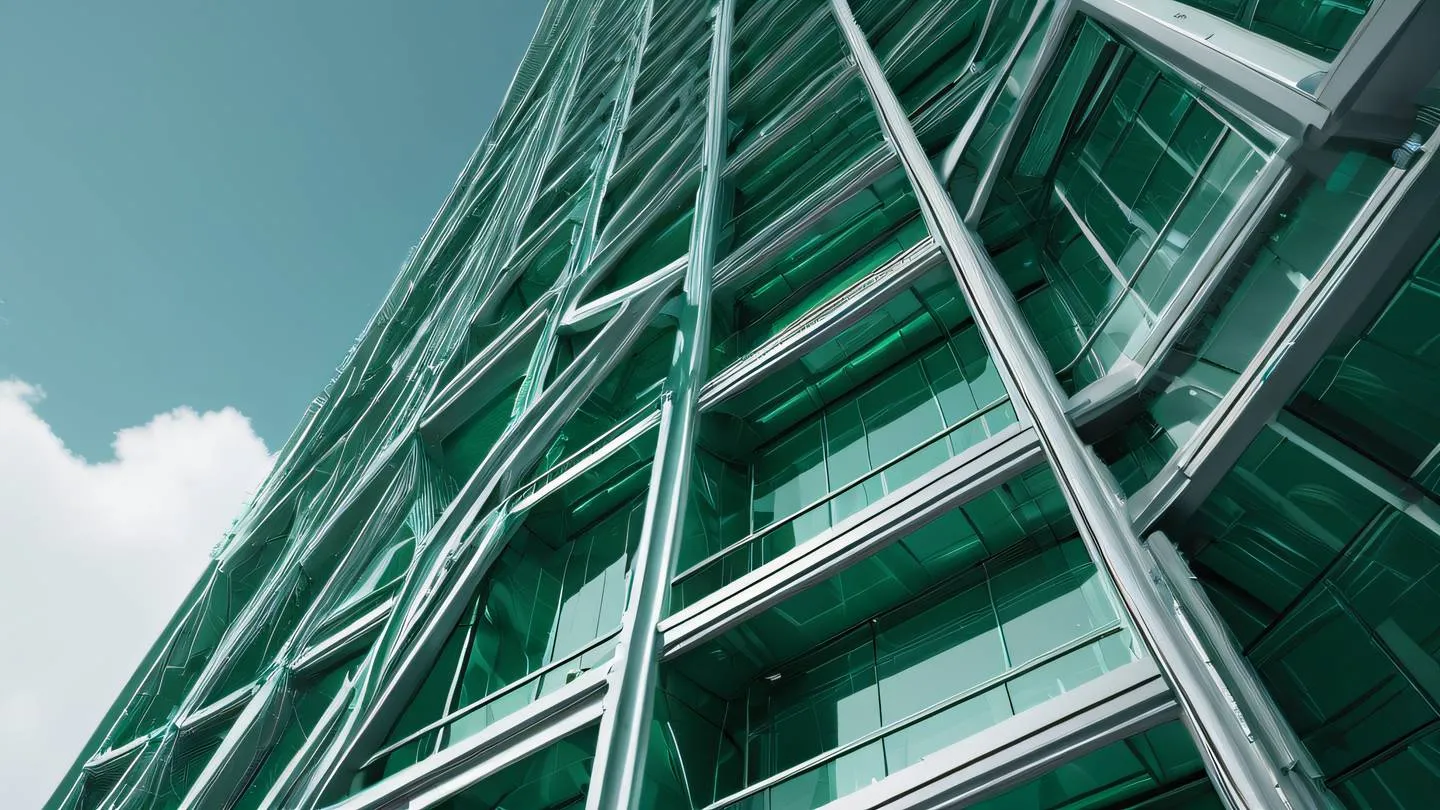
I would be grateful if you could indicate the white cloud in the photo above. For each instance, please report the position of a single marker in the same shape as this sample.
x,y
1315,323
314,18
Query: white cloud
x,y
96,558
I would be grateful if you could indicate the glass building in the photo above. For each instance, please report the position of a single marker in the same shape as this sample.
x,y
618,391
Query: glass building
x,y
914,404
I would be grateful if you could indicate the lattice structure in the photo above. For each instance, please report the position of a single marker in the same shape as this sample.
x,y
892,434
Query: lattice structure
x,y
859,404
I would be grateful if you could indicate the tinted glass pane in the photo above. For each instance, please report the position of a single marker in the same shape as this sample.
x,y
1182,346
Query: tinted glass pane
x,y
1122,182
1290,247
908,679
1157,770
1317,28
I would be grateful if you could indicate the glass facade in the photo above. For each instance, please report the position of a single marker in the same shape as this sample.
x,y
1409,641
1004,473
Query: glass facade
x,y
692,462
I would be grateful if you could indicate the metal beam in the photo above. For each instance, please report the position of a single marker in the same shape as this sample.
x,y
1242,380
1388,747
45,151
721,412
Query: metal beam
x,y
1119,704
900,514
1240,773
617,775
1269,726
1381,245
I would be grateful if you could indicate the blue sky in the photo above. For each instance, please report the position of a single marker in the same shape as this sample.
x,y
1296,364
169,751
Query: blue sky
x,y
201,205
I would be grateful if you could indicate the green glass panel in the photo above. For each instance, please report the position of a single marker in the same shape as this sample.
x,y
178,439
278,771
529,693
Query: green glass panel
x,y
1157,770
1342,713
303,709
100,783
1313,27
553,599
1120,186
783,53
869,230
633,385
831,141
1309,566
554,778
232,588
1288,250
888,400
1379,390
405,745
1409,779
382,573
1278,520
1049,599
187,760
467,446
917,669
983,148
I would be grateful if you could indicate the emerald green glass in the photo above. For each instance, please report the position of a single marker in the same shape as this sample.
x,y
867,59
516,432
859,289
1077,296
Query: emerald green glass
x,y
782,55
904,682
1290,247
1312,27
829,142
871,229
1380,390
1122,181
99,783
546,612
554,778
633,385
192,750
1010,79
466,447
379,579
313,694
230,589
940,54
1310,566
1157,770
1409,778
865,414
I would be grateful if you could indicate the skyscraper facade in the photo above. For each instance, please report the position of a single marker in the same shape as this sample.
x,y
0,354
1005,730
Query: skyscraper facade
x,y
865,404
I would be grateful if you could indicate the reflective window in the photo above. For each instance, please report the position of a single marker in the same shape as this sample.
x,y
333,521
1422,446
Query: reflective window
x,y
634,384
1315,27
1289,249
795,731
546,612
1120,182
1309,566
871,229
865,413
1381,389
1308,551
1157,770
554,778
312,695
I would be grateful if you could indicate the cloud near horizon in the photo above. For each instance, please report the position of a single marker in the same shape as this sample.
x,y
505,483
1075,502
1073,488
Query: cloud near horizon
x,y
97,557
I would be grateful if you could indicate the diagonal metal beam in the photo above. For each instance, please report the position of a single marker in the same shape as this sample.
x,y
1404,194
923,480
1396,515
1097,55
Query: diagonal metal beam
x,y
617,776
1241,774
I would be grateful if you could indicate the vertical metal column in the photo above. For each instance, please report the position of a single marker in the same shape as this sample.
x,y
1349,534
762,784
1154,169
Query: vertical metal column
x,y
1242,775
629,704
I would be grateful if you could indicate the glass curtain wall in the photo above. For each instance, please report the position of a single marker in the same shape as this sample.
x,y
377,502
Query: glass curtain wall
x,y
1290,247
865,413
547,611
1321,545
1156,770
1123,177
978,616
